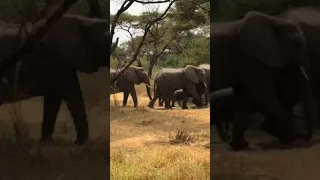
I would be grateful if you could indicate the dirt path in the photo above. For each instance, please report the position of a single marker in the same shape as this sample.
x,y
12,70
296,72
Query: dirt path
x,y
265,162
140,138
61,160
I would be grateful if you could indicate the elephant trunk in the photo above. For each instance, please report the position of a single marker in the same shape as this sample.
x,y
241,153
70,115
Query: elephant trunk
x,y
206,93
148,88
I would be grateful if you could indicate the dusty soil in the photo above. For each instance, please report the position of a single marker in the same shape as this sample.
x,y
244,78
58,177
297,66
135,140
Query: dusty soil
x,y
267,160
61,160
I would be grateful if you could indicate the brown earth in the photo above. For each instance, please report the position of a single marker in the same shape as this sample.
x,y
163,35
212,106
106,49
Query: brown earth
x,y
62,160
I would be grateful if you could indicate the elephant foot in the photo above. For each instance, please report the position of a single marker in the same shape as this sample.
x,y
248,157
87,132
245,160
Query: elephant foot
x,y
239,145
80,141
150,106
45,140
184,107
223,137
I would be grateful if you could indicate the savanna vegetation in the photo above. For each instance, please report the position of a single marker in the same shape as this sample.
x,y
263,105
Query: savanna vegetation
x,y
156,143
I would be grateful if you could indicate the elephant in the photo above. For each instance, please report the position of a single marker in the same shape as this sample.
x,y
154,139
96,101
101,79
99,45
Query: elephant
x,y
253,55
306,19
222,111
133,75
178,96
74,44
169,80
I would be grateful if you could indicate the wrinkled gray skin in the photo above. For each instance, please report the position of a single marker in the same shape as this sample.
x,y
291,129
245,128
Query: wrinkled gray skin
x,y
74,44
249,55
169,80
133,75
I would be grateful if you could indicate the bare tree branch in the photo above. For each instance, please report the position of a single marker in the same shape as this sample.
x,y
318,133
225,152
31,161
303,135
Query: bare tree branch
x,y
126,4
38,35
166,45
146,29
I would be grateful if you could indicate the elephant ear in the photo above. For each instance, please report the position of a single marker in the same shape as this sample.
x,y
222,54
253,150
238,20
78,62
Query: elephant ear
x,y
256,37
191,74
131,75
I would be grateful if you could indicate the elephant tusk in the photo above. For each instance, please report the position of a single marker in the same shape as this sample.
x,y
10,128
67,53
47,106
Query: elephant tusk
x,y
304,73
148,85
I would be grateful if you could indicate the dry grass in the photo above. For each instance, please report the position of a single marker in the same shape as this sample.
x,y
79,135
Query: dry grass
x,y
157,143
26,159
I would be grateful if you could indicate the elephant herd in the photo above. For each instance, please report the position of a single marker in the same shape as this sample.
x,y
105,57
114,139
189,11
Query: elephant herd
x,y
261,63
266,64
170,85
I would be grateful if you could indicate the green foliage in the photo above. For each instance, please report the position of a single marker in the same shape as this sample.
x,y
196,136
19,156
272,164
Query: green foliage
x,y
195,52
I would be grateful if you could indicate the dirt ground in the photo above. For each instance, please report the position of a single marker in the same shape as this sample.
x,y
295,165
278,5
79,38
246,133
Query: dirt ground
x,y
62,160
145,142
266,160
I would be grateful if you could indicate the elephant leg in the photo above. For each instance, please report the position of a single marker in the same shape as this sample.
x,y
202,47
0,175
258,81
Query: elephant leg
x,y
51,107
172,102
226,125
161,101
238,141
167,103
125,97
132,91
156,96
73,98
185,99
221,132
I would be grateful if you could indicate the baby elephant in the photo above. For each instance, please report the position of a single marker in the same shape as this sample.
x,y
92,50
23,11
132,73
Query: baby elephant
x,y
178,96
222,110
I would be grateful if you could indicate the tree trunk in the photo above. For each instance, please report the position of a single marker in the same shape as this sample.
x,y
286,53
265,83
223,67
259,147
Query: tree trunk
x,y
151,65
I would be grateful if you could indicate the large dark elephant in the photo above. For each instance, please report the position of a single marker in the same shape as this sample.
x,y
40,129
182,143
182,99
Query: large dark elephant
x,y
249,55
200,87
169,80
74,44
133,75
307,18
